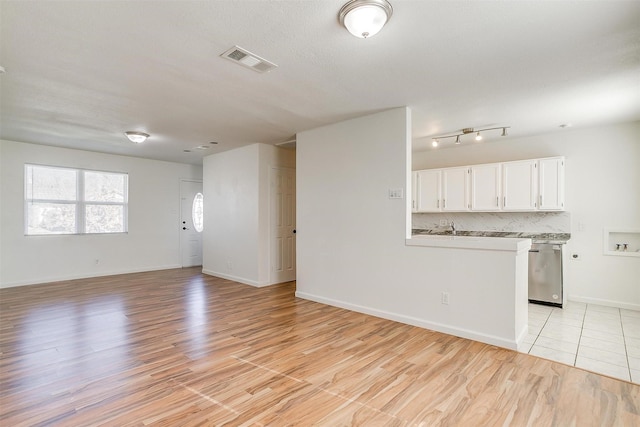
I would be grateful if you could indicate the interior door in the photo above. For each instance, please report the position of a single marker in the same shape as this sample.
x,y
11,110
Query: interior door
x,y
283,225
191,222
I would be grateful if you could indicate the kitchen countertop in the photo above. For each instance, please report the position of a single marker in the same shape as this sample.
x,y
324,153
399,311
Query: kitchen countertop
x,y
561,237
470,242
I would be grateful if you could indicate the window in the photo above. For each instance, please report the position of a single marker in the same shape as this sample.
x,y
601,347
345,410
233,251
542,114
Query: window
x,y
197,212
74,201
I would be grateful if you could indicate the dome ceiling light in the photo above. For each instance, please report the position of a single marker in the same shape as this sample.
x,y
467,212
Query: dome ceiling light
x,y
365,18
137,137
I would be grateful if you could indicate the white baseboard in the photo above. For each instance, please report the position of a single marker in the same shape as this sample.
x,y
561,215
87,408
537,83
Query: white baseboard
x,y
606,302
409,320
51,279
236,278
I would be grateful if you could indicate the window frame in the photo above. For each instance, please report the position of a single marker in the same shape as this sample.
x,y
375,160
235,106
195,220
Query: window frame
x,y
79,202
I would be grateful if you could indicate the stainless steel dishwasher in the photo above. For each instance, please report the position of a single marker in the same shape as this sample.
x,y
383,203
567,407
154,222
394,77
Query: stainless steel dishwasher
x,y
545,273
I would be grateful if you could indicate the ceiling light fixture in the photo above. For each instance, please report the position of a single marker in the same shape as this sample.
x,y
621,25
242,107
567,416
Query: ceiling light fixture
x,y
365,18
466,131
137,137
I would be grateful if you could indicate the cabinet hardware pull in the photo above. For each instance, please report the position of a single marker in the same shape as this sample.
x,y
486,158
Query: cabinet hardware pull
x,y
444,203
497,201
541,200
438,205
504,201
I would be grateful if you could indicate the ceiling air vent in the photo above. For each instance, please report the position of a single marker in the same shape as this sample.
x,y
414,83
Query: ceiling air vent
x,y
247,59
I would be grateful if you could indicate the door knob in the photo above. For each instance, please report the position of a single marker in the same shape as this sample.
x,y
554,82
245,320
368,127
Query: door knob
x,y
184,228
294,231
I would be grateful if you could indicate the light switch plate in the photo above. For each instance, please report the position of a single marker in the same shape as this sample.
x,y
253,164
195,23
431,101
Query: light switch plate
x,y
396,193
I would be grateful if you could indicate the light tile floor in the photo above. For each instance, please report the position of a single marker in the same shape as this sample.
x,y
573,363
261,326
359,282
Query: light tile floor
x,y
600,339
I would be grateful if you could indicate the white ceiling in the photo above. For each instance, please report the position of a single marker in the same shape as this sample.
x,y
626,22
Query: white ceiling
x,y
79,74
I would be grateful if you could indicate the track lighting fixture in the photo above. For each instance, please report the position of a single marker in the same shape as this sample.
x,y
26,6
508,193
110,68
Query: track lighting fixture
x,y
466,131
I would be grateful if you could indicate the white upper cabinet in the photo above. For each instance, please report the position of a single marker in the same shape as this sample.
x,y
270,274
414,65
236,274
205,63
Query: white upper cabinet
x,y
551,184
485,187
520,185
455,189
414,191
429,190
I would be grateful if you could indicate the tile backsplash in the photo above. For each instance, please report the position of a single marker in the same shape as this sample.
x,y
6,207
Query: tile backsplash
x,y
537,222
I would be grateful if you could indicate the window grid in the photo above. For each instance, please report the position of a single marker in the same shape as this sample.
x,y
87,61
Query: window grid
x,y
80,201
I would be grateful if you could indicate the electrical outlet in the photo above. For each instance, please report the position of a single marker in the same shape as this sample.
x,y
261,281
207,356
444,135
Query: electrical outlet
x,y
443,223
229,266
444,298
97,261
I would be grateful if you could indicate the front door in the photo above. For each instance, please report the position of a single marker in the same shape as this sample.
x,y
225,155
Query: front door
x,y
191,222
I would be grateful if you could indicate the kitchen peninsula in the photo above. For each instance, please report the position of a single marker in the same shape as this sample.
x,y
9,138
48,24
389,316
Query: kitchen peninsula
x,y
483,284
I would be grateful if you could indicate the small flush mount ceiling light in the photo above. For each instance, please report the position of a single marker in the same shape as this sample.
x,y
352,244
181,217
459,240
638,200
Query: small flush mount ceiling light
x,y
365,18
137,137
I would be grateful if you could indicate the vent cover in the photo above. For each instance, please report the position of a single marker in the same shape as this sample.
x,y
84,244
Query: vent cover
x,y
247,59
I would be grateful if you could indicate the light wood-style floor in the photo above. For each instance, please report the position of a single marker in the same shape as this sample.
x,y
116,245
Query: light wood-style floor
x,y
178,348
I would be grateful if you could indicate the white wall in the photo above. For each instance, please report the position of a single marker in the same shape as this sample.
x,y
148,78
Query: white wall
x,y
351,238
236,209
602,191
152,241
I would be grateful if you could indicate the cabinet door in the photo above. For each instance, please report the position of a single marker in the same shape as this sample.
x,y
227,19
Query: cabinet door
x,y
429,194
551,182
485,187
520,186
455,189
414,191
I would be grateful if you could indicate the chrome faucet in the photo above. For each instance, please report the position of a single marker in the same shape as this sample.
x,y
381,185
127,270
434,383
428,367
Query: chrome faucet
x,y
453,228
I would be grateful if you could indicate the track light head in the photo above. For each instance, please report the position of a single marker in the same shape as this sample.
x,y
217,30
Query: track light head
x,y
478,136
